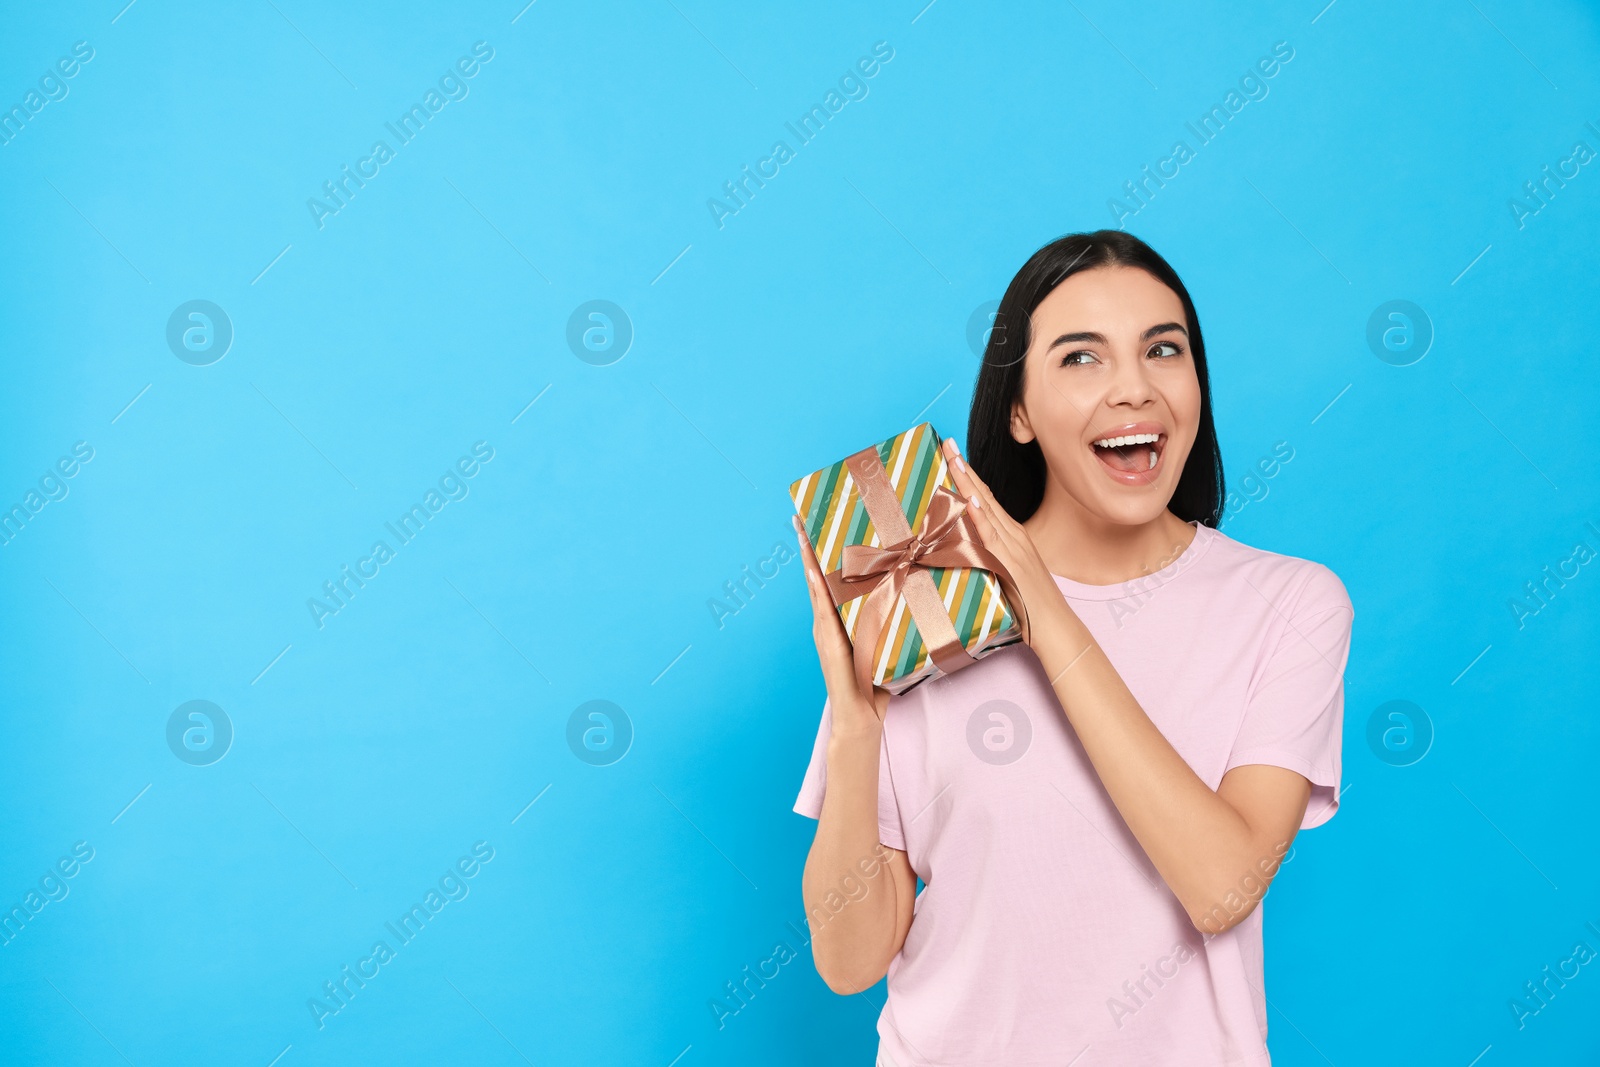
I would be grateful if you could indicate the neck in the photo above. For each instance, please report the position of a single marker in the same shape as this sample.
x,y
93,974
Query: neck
x,y
1083,547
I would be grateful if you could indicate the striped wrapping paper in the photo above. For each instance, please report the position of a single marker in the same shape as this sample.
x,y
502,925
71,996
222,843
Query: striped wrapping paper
x,y
834,516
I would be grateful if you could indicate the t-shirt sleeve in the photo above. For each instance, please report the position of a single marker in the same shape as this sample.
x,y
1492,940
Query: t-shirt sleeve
x,y
1294,717
809,802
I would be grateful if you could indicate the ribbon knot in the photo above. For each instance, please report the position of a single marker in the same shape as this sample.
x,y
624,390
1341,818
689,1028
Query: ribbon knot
x,y
948,539
942,530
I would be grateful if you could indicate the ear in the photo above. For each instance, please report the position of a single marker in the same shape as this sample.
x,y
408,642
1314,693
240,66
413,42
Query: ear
x,y
1021,429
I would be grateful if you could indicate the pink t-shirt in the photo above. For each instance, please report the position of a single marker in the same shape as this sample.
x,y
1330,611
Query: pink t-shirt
x,y
1043,930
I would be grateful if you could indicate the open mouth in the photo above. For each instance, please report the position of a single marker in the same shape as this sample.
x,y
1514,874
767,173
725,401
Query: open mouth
x,y
1133,458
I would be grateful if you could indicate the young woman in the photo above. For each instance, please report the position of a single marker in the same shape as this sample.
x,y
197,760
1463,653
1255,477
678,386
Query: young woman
x,y
1096,812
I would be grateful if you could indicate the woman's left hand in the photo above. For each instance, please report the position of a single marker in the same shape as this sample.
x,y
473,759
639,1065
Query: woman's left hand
x,y
1008,540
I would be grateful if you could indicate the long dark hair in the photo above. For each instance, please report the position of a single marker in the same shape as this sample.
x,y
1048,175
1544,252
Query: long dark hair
x,y
1016,472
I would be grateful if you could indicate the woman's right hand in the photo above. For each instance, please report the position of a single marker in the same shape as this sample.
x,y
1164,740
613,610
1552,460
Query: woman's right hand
x,y
854,712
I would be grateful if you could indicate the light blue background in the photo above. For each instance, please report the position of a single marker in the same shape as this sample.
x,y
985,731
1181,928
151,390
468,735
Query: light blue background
x,y
426,715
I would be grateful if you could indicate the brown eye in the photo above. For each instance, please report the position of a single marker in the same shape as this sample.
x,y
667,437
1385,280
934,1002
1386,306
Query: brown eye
x,y
1176,351
1071,358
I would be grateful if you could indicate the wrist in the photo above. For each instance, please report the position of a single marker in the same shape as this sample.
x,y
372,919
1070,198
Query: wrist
x,y
1049,617
848,738
1062,642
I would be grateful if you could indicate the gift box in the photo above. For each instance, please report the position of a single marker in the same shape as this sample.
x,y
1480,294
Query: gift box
x,y
919,594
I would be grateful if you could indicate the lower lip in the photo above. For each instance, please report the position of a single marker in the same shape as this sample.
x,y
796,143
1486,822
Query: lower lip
x,y
1122,477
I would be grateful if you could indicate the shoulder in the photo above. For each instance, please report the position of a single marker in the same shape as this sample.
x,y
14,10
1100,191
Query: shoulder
x,y
1304,586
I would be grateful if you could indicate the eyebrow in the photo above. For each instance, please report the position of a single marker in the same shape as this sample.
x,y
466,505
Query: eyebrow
x,y
1100,338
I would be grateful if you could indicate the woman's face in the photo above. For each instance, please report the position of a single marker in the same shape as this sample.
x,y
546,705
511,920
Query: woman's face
x,y
1110,359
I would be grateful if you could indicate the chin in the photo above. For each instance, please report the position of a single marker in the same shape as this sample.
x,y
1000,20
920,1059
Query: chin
x,y
1131,499
1126,510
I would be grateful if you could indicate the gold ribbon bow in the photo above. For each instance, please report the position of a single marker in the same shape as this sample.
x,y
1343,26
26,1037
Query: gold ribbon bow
x,y
948,538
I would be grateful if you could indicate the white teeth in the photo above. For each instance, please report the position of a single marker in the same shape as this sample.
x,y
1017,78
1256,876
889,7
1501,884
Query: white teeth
x,y
1152,460
1133,439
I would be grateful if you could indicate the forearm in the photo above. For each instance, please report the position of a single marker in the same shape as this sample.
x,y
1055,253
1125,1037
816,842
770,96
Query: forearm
x,y
848,890
1198,841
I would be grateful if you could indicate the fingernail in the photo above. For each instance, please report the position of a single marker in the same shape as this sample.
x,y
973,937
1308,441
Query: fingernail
x,y
961,465
975,503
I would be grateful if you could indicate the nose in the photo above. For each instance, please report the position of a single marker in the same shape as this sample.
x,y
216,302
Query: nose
x,y
1131,385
